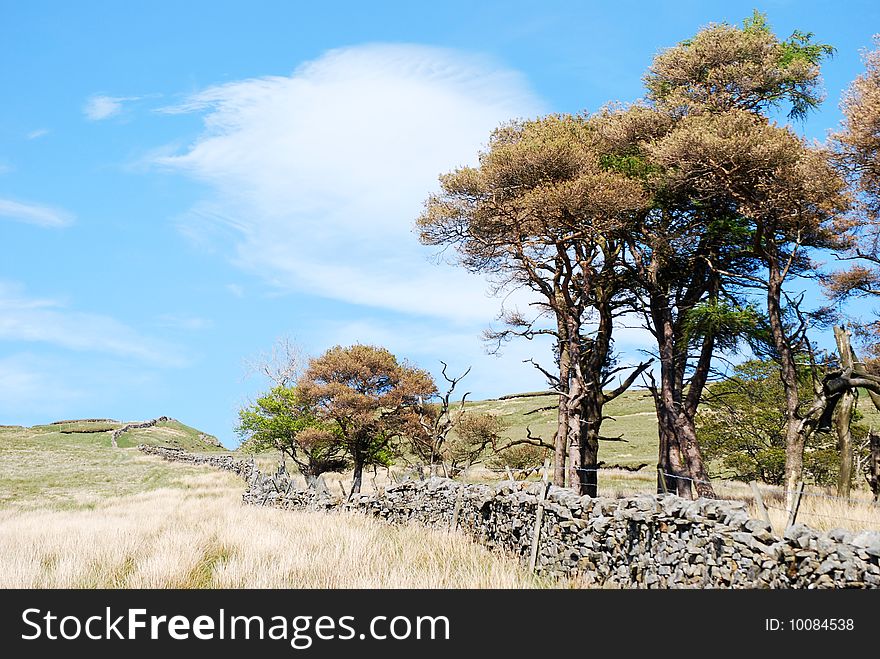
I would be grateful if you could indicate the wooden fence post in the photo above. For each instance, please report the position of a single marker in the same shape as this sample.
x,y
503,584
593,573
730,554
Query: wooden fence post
x,y
539,517
795,505
759,503
456,509
661,477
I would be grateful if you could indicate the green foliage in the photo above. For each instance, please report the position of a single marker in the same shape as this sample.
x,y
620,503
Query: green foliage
x,y
757,22
630,165
725,66
741,427
727,322
281,419
741,422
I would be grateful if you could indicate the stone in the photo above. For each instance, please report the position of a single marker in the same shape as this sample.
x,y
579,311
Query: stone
x,y
756,525
645,541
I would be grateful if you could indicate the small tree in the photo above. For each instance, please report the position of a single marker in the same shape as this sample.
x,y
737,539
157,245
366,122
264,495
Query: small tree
x,y
283,420
432,423
475,436
368,397
741,427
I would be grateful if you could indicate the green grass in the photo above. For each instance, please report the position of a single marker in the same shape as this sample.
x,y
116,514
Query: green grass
x,y
171,433
633,420
41,466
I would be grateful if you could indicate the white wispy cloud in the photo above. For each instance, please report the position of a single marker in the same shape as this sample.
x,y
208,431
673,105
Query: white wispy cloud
x,y
37,134
100,106
38,214
35,320
319,176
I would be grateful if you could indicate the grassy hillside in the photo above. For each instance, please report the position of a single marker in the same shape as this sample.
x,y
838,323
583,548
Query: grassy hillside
x,y
73,464
77,513
632,418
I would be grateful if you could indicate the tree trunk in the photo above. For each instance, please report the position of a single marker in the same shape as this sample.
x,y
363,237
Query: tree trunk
x,y
560,442
358,477
693,458
842,419
669,457
574,432
679,455
794,431
559,446
874,467
843,416
794,462
589,449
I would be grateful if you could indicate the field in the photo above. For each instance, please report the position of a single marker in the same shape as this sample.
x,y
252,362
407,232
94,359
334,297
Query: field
x,y
632,417
75,513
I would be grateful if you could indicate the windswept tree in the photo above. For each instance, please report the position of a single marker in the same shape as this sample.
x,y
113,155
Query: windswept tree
x,y
681,301
857,147
281,419
787,201
745,199
542,213
368,396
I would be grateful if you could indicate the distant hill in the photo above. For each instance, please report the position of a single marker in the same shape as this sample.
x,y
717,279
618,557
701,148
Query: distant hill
x,y
632,412
72,463
166,432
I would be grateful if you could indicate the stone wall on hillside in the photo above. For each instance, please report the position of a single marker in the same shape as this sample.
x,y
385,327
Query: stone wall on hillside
x,y
244,468
645,541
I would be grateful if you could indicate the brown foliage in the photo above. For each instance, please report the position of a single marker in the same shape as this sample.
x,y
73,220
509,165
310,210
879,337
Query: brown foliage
x,y
547,211
859,141
725,67
858,149
369,394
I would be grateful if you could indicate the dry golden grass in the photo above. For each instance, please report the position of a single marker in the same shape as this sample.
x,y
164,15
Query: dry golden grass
x,y
203,537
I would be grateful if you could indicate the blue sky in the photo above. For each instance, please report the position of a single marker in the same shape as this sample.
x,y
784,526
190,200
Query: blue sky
x,y
183,183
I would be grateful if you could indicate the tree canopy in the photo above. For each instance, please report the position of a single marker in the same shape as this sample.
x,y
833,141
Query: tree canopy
x,y
368,396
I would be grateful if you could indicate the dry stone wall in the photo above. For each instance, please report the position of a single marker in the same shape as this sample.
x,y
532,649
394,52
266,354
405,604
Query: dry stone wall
x,y
646,541
243,468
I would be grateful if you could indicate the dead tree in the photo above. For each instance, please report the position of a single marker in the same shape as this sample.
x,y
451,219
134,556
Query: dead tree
x,y
435,422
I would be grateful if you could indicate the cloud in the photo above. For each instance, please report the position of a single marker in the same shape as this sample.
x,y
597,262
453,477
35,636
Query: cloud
x,y
37,134
30,213
99,106
47,321
317,177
